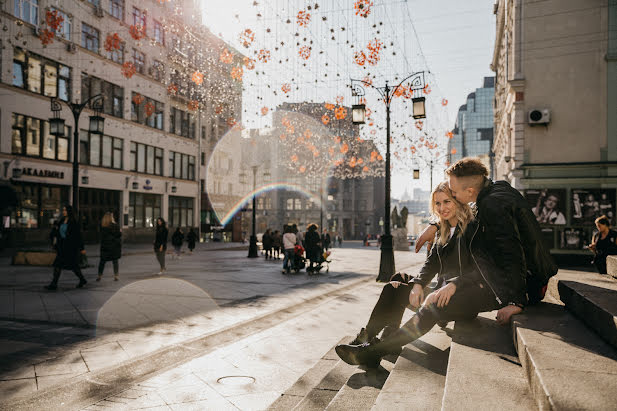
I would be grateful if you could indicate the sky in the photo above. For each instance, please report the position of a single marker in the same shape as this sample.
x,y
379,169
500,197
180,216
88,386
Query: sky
x,y
451,40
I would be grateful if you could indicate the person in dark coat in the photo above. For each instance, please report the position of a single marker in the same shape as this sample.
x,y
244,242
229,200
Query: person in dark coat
x,y
266,242
191,238
176,240
111,244
69,247
53,235
604,243
160,243
277,240
312,243
325,239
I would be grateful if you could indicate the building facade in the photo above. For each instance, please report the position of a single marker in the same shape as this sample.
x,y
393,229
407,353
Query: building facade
x,y
473,131
555,64
160,127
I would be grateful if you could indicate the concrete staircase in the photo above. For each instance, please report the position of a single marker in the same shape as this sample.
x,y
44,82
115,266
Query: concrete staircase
x,y
559,355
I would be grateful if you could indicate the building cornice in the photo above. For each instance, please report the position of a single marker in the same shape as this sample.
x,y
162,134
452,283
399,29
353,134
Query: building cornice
x,y
499,34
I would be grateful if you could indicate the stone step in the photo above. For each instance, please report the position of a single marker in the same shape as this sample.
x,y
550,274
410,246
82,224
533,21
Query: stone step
x,y
417,380
483,369
310,380
611,265
568,367
592,298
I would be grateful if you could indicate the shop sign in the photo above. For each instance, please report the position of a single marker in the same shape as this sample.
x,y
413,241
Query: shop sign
x,y
147,186
35,172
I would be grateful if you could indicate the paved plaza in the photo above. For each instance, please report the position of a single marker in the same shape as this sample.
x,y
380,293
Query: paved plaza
x,y
171,340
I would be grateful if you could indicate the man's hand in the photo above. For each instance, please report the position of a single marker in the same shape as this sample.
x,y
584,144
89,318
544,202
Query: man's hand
x,y
416,296
427,235
505,314
430,299
83,252
395,284
444,294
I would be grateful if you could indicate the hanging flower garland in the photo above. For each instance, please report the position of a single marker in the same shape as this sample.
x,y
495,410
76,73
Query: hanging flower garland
x,y
325,119
137,31
193,105
340,113
197,78
226,57
53,20
237,73
149,108
363,8
128,69
373,58
112,42
249,63
359,58
304,52
329,106
247,37
264,110
375,45
138,99
172,89
303,18
286,88
264,55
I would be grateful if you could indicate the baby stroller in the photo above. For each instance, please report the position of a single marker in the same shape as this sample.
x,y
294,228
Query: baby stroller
x,y
323,258
298,262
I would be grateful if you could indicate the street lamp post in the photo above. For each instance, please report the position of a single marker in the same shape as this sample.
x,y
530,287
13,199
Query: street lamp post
x,y
253,241
386,264
56,128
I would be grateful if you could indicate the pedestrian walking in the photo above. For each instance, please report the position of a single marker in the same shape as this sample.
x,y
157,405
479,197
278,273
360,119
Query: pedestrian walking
x,y
69,248
277,240
160,243
313,246
289,242
340,241
266,243
111,244
176,240
191,238
325,240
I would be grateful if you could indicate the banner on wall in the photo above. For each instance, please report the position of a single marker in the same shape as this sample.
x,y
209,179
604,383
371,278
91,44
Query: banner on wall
x,y
589,204
548,205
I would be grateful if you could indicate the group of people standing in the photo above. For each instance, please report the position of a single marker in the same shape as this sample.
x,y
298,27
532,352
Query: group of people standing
x,y
177,239
312,242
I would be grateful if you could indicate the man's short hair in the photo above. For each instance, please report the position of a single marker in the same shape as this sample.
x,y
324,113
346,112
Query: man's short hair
x,y
471,171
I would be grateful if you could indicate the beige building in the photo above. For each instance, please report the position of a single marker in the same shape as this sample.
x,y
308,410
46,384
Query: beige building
x,y
151,159
555,102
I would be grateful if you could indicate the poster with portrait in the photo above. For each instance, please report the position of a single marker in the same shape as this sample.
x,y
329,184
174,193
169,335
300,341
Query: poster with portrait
x,y
548,205
575,238
589,204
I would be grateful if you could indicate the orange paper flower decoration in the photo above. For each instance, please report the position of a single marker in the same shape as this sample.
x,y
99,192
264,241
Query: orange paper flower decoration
x,y
231,121
329,106
325,119
375,45
453,151
419,125
304,18
112,42
302,169
249,63
264,110
294,158
305,52
340,113
286,88
137,31
344,148
363,7
53,19
426,89
444,102
247,37
138,99
149,107
264,55
359,58
340,100
373,58
237,73
449,134
226,57
128,69
172,89
193,105
197,78
47,36
218,109
368,80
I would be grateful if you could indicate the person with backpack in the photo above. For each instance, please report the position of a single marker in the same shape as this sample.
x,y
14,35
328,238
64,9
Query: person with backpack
x,y
176,240
111,245
191,238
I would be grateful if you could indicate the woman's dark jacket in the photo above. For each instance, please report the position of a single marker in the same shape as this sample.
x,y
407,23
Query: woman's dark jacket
x,y
191,237
511,235
111,243
161,238
464,262
177,238
69,249
605,247
312,245
266,241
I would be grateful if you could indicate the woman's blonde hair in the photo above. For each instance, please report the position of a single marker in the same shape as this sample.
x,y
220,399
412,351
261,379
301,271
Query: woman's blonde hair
x,y
463,213
107,220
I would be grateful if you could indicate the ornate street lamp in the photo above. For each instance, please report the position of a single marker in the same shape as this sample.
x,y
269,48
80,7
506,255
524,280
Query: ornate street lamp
x,y
56,128
358,113
416,84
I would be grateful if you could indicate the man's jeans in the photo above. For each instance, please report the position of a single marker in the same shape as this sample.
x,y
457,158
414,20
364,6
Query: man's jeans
x,y
287,261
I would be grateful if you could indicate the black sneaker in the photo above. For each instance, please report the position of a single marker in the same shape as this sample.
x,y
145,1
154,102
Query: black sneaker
x,y
81,283
51,287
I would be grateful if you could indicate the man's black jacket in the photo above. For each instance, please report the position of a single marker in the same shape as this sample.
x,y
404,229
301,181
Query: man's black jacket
x,y
511,236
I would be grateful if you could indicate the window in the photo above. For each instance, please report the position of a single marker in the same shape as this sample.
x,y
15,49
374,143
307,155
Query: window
x,y
181,166
144,209
90,38
203,132
297,204
113,96
139,18
146,159
116,9
203,158
180,211
27,10
139,59
95,3
117,55
159,33
40,75
290,204
97,151
64,30
30,137
139,115
158,70
180,123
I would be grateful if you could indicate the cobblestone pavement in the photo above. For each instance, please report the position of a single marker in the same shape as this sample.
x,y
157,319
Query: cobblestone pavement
x,y
47,338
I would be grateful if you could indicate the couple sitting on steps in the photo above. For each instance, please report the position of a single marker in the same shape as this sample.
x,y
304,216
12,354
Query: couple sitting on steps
x,y
489,257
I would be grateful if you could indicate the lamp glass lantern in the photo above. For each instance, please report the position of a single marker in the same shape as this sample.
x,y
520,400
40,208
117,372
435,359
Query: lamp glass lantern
x,y
56,125
416,174
358,112
97,124
419,110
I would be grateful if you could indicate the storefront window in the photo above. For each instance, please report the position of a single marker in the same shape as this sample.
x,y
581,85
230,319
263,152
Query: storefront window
x,y
144,209
38,205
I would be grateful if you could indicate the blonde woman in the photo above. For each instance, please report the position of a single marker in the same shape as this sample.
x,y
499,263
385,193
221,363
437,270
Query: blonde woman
x,y
111,244
469,275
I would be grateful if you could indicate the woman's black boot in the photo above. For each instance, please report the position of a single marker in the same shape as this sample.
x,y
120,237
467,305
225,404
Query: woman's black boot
x,y
54,282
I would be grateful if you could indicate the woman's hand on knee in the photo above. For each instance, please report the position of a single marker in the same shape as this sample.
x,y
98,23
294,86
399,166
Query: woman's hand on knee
x,y
395,284
416,296
444,294
431,298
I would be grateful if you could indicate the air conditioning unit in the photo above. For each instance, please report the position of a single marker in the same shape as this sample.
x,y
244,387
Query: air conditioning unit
x,y
98,11
539,116
71,47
